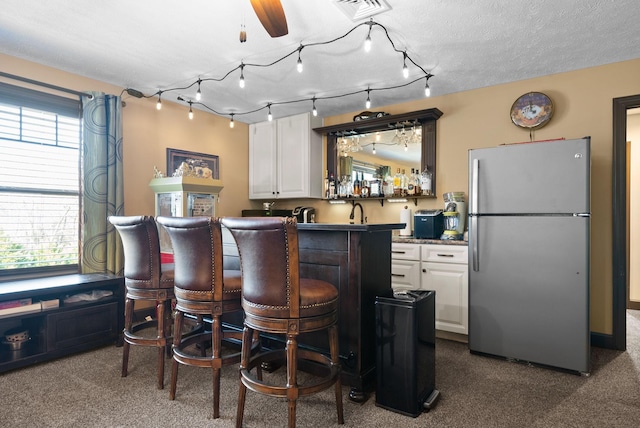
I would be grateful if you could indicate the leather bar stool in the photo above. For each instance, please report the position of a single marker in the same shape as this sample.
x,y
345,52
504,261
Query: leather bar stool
x,y
276,299
144,279
202,287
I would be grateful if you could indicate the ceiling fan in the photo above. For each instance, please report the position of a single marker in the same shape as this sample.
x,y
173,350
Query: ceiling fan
x,y
271,15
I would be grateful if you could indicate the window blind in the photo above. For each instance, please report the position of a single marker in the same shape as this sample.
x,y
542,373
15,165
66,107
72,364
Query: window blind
x,y
40,137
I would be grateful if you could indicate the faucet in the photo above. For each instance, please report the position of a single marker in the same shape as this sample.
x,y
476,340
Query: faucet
x,y
353,209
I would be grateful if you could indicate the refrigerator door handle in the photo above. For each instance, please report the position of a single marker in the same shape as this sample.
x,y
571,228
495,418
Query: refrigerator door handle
x,y
473,230
473,219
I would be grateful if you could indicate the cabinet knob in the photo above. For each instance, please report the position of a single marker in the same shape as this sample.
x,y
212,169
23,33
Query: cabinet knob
x,y
424,270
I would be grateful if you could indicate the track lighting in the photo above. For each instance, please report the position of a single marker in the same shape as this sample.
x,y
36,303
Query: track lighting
x,y
198,92
314,111
367,104
241,75
269,116
190,110
427,89
405,69
299,66
231,124
159,103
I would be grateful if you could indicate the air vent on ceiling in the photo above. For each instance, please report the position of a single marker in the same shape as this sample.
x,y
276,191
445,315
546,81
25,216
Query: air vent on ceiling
x,y
357,10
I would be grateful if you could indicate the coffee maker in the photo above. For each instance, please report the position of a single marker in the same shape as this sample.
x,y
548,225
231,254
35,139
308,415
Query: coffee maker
x,y
304,214
455,211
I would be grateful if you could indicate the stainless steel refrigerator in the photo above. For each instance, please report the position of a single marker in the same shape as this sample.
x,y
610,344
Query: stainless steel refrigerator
x,y
529,215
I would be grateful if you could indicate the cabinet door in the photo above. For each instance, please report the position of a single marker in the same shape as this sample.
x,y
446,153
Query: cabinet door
x,y
293,156
262,160
451,284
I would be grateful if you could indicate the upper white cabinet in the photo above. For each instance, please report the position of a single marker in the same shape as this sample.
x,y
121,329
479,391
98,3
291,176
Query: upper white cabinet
x,y
285,158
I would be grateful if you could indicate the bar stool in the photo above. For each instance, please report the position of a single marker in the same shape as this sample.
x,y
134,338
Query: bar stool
x,y
144,279
202,287
276,300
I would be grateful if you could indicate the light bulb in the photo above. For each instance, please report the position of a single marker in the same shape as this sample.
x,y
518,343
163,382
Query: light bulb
x,y
314,111
241,80
231,124
406,148
427,90
368,103
374,148
367,43
269,116
198,93
159,103
190,113
299,66
405,71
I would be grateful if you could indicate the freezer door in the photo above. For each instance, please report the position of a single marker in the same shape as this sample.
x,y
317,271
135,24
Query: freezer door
x,y
529,298
548,177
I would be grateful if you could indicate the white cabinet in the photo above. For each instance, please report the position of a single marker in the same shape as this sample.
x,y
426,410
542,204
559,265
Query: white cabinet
x,y
405,266
285,158
445,270
442,268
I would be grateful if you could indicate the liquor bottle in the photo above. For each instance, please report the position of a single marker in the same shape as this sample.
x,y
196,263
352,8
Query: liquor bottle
x,y
417,180
405,182
364,186
332,187
326,184
411,183
425,182
356,187
397,183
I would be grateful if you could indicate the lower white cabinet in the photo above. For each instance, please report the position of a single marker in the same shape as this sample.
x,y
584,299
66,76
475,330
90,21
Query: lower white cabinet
x,y
442,268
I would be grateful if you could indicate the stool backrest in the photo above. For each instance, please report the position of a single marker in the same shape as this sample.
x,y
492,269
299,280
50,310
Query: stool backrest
x,y
197,253
141,245
268,248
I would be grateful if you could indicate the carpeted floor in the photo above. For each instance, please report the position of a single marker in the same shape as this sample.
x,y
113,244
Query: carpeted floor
x,y
86,390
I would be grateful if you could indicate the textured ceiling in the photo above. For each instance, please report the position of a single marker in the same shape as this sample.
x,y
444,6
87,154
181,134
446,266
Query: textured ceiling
x,y
153,45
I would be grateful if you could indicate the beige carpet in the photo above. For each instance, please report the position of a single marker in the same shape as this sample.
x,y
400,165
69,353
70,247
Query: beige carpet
x,y
86,390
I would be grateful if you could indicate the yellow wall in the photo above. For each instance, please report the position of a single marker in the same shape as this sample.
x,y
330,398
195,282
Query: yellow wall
x,y
477,118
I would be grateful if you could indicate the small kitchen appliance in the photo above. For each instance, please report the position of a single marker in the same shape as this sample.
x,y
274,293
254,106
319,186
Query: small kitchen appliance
x,y
455,211
304,214
428,224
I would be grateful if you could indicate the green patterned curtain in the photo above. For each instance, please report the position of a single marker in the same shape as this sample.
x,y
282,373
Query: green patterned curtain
x,y
102,186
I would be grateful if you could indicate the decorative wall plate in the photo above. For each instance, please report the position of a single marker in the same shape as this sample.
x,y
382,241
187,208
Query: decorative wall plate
x,y
532,110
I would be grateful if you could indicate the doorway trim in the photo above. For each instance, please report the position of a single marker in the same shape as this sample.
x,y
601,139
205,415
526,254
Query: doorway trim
x,y
619,221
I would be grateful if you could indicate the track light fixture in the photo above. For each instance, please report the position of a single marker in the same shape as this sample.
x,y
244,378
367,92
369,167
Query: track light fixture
x,y
190,110
198,96
231,124
269,116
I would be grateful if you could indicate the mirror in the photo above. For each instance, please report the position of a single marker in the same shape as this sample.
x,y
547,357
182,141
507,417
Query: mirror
x,y
390,133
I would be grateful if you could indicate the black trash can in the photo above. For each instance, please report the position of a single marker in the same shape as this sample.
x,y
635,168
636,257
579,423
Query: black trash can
x,y
405,352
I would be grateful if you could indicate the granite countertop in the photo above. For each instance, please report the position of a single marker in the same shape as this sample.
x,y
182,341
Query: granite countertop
x,y
366,227
412,240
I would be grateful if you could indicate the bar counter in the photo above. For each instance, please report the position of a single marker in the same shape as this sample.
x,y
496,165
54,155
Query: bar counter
x,y
356,258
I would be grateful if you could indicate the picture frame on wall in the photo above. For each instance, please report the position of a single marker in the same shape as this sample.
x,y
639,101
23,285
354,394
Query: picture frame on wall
x,y
199,164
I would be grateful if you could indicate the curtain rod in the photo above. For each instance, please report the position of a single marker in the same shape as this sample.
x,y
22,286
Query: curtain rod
x,y
46,85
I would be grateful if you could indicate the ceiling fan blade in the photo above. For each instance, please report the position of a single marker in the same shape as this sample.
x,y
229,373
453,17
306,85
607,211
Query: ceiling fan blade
x,y
271,15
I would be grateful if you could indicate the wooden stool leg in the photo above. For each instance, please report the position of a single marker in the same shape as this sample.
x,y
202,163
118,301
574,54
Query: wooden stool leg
x,y
160,337
247,334
177,337
216,345
292,380
128,322
333,345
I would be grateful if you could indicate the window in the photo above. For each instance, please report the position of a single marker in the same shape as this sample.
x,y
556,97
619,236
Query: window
x,y
40,136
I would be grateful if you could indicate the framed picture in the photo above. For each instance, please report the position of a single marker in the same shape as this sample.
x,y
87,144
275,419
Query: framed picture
x,y
200,164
